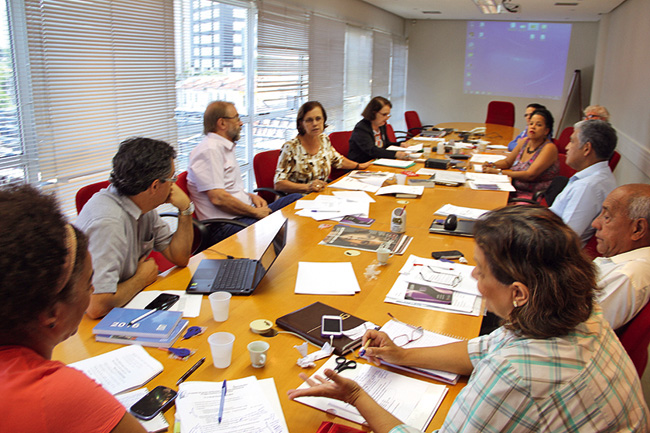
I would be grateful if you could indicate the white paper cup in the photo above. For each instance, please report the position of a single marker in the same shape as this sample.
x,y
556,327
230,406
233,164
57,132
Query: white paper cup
x,y
258,353
478,168
383,254
221,347
220,303
401,179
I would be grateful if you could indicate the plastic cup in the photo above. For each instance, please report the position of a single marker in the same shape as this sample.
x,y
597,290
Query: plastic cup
x,y
221,348
258,353
220,303
401,179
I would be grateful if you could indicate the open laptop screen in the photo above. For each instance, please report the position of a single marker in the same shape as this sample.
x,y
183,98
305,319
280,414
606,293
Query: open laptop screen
x,y
273,250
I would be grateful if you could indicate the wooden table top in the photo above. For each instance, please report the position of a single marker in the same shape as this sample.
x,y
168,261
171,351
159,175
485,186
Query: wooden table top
x,y
275,297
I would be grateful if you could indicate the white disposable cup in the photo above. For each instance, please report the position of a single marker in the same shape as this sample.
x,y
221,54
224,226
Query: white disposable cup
x,y
478,168
441,148
383,254
482,146
220,303
401,179
221,348
258,353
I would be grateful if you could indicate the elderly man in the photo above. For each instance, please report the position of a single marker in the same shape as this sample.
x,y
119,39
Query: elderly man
x,y
592,144
123,226
596,112
623,239
214,179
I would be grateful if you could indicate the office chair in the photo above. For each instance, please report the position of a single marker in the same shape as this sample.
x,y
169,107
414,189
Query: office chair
x,y
392,135
341,142
613,161
413,124
635,337
565,170
501,113
564,138
264,164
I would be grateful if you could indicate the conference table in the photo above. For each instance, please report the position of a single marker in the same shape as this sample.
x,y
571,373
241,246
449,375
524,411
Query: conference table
x,y
275,297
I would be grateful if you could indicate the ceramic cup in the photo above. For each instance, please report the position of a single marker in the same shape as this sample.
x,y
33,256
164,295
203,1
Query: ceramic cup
x,y
258,352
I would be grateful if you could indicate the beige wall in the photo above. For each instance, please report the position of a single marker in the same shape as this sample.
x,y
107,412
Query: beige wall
x,y
436,67
621,84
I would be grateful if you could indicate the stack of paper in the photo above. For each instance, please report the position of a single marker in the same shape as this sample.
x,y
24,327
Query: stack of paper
x,y
423,283
461,211
122,369
369,181
397,163
480,158
412,401
250,405
326,279
331,207
487,181
409,149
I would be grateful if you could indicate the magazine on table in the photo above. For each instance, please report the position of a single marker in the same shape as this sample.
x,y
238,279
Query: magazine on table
x,y
366,240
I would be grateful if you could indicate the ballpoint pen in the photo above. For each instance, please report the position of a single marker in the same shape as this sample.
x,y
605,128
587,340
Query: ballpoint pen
x,y
190,371
223,398
145,315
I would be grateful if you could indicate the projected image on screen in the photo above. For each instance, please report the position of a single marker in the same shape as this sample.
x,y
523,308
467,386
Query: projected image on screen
x,y
516,59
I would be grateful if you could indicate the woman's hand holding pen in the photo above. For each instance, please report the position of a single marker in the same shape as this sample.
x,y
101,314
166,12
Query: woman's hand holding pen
x,y
381,348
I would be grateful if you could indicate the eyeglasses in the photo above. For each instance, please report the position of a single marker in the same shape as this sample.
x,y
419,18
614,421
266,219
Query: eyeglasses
x,y
592,116
170,179
231,117
404,339
384,114
438,275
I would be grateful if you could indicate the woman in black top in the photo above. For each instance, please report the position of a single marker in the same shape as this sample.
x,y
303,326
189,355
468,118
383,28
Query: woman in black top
x,y
369,140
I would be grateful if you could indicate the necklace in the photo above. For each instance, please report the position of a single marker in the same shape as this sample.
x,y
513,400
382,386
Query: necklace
x,y
529,150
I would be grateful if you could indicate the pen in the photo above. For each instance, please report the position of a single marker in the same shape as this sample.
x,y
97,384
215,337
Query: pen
x,y
145,315
223,397
190,371
365,346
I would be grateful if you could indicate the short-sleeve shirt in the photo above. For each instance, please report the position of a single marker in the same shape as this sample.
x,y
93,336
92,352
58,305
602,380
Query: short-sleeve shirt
x,y
213,165
38,395
119,235
582,382
297,165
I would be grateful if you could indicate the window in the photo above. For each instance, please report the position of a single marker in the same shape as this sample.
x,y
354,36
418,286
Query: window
x,y
358,74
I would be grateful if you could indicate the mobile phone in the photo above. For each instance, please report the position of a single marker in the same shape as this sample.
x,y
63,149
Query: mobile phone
x,y
451,254
157,400
164,301
331,326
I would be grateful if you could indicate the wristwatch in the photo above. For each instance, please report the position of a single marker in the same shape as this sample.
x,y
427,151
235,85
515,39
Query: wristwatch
x,y
188,211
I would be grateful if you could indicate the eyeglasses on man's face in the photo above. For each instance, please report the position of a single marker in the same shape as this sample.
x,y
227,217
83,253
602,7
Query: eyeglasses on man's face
x,y
236,118
170,179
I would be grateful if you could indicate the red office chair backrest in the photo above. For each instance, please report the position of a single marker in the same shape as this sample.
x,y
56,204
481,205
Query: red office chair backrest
x,y
501,113
82,197
390,133
591,248
613,161
635,337
182,182
85,192
413,124
564,139
341,142
565,170
264,165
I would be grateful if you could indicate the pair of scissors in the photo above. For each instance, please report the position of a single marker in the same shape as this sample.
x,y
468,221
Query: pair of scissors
x,y
344,364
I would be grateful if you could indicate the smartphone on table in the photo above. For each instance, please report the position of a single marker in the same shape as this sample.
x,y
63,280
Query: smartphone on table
x,y
449,255
164,301
157,400
331,326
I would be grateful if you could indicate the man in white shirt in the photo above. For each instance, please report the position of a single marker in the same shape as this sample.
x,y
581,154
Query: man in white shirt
x,y
214,179
592,144
623,239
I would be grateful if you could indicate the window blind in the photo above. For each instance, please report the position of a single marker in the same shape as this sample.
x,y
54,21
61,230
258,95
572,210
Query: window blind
x,y
358,74
398,82
381,64
326,67
101,71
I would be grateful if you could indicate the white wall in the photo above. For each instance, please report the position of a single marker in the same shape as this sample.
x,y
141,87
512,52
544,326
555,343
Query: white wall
x,y
621,84
436,68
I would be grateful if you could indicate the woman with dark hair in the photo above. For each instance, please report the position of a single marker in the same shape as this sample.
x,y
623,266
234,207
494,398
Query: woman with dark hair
x,y
533,163
45,287
554,365
306,161
530,109
369,140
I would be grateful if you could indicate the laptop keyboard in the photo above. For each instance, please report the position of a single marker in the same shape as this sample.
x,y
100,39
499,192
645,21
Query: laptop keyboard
x,y
233,274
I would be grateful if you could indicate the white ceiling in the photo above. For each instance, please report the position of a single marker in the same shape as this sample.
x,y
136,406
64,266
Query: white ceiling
x,y
530,10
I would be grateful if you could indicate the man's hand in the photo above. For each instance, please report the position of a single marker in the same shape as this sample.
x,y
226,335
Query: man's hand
x,y
178,198
147,271
381,347
401,155
257,200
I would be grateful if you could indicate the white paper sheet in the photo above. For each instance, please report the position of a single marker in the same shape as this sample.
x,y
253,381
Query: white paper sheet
x,y
461,211
246,408
488,177
354,184
317,278
491,186
397,163
190,305
413,148
121,369
400,189
413,401
480,158
356,196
